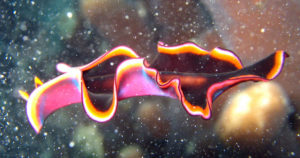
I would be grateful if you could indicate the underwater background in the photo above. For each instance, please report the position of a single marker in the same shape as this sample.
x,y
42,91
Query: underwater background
x,y
36,35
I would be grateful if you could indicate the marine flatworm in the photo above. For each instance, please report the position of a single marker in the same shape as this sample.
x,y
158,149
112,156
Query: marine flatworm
x,y
186,72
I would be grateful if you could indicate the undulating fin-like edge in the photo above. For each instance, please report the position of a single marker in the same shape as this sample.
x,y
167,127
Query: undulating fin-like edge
x,y
189,57
65,89
107,65
59,92
186,72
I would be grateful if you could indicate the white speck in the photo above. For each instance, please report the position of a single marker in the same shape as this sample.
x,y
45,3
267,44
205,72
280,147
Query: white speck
x,y
116,131
23,26
71,144
142,12
25,38
126,17
69,14
112,63
38,52
156,14
45,134
32,3
154,29
262,30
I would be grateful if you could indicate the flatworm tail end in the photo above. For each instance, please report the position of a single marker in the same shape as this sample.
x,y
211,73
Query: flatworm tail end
x,y
279,59
264,70
268,68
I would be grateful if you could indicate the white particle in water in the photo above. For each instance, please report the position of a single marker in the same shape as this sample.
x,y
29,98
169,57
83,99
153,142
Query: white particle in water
x,y
116,131
71,144
126,17
69,14
25,38
292,153
23,26
38,52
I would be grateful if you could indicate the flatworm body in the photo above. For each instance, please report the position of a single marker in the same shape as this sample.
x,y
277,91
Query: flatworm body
x,y
185,72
